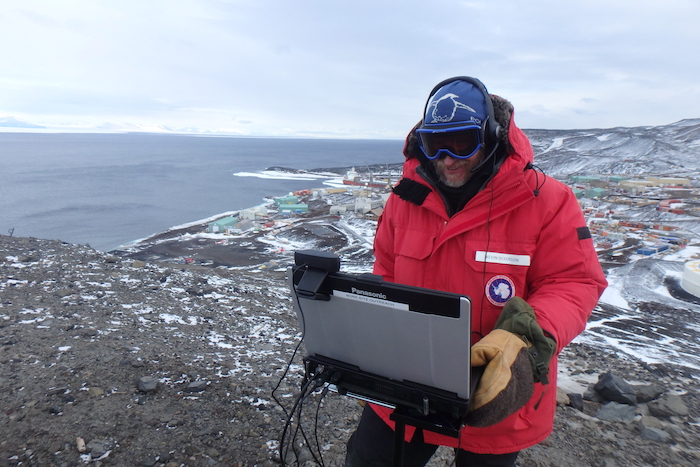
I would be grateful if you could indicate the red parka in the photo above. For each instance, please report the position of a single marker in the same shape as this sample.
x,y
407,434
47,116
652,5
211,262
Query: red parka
x,y
538,245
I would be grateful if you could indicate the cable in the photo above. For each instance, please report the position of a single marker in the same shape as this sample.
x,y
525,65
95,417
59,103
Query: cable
x,y
284,375
301,312
486,253
296,349
304,387
483,284
318,408
313,380
307,389
288,423
297,406
319,382
538,187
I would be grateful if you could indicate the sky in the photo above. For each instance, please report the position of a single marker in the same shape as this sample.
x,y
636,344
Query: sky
x,y
325,68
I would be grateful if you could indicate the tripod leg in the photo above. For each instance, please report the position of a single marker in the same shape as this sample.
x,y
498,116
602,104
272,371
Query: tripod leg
x,y
399,433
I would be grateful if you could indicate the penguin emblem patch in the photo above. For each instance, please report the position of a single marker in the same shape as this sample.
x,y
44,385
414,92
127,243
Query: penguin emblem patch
x,y
500,289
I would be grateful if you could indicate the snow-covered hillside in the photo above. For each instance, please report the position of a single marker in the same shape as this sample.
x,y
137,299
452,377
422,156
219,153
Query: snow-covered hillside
x,y
669,149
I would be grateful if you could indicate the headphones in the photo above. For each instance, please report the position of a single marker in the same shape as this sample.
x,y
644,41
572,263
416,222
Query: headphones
x,y
492,130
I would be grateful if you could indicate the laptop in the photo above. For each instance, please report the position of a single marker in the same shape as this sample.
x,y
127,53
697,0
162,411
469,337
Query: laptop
x,y
383,342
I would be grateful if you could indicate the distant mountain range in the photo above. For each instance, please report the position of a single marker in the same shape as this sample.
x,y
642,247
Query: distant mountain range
x,y
12,122
671,150
666,150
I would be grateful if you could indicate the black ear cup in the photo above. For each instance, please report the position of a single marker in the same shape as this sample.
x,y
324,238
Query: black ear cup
x,y
493,130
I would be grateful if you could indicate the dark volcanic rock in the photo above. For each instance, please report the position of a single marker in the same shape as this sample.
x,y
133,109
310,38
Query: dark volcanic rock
x,y
80,329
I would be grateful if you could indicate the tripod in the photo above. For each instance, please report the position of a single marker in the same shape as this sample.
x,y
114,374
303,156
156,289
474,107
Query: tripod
x,y
404,415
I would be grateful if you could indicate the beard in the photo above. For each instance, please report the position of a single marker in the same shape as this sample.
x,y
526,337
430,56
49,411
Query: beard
x,y
453,183
455,173
452,180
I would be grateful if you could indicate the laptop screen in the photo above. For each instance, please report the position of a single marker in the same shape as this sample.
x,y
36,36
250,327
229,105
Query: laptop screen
x,y
404,336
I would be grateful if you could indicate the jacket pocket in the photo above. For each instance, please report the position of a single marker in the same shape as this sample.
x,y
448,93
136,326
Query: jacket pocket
x,y
415,244
412,249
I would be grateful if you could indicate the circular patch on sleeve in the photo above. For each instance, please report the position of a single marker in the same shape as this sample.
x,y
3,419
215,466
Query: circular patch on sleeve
x,y
500,289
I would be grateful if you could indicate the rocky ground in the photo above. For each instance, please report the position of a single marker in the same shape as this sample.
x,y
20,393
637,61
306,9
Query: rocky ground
x,y
112,360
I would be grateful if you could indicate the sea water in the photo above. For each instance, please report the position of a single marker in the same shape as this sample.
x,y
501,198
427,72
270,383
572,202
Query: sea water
x,y
107,190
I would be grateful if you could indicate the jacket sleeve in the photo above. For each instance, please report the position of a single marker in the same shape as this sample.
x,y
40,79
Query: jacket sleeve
x,y
565,278
384,243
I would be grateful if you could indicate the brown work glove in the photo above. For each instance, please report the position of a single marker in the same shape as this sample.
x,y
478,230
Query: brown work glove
x,y
514,355
506,384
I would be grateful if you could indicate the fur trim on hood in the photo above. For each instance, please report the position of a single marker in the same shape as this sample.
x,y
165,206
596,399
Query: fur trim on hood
x,y
503,112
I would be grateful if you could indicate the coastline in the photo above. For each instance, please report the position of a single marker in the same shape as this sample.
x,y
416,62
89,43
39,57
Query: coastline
x,y
275,235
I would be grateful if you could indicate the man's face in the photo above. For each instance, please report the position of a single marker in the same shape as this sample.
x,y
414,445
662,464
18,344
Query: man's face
x,y
455,172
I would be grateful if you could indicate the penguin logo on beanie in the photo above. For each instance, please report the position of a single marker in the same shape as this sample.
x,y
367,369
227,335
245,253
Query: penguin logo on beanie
x,y
445,108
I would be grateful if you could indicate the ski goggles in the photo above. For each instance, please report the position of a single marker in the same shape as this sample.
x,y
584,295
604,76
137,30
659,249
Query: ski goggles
x,y
460,143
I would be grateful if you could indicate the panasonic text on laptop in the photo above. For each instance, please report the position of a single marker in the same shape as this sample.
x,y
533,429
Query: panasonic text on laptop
x,y
387,342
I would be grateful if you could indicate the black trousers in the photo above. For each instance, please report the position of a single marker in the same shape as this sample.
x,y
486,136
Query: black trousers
x,y
372,445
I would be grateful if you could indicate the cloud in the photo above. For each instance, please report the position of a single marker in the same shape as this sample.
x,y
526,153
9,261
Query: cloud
x,y
360,69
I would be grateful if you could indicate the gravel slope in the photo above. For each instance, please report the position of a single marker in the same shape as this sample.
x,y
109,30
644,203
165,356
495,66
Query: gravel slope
x,y
84,333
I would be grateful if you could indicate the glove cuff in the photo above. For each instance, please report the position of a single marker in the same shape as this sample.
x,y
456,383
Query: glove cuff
x,y
488,409
519,318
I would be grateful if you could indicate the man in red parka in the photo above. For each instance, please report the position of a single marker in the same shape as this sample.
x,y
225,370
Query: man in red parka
x,y
471,215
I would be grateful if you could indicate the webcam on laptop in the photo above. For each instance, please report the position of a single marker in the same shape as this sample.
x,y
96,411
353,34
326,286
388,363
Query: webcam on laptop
x,y
315,259
316,265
